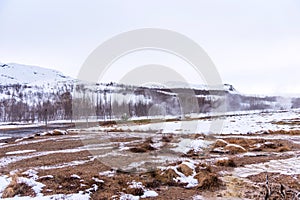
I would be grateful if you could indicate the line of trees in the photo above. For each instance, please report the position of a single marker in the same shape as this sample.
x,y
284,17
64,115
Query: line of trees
x,y
109,101
30,104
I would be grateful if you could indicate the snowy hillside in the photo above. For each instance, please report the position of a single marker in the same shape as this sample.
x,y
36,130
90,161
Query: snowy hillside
x,y
12,73
177,84
30,93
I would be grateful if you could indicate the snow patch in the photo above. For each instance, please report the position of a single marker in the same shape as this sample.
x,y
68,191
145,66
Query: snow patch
x,y
147,193
75,176
286,166
97,180
20,152
189,180
186,145
4,182
107,173
129,197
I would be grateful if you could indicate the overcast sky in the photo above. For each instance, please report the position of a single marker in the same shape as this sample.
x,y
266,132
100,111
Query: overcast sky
x,y
254,44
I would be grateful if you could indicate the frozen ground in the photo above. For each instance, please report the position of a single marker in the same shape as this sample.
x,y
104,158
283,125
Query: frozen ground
x,y
228,123
157,160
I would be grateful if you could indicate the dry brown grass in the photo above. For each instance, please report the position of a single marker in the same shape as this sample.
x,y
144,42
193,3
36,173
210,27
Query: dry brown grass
x,y
135,191
15,188
167,138
203,167
161,181
117,130
167,177
226,163
122,139
114,185
220,143
143,147
284,148
164,177
283,132
49,160
252,145
291,122
48,145
108,123
207,180
190,154
278,146
246,143
290,183
103,195
185,170
62,182
235,149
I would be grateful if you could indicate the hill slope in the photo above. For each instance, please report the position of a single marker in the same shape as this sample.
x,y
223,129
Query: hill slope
x,y
13,73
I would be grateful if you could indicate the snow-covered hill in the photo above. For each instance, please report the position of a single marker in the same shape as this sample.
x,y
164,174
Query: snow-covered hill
x,y
176,84
30,93
12,73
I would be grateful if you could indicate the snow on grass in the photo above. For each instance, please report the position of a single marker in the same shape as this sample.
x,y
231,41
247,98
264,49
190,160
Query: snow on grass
x,y
97,180
78,196
4,161
20,152
198,145
63,165
234,123
19,126
31,173
36,186
55,132
286,166
147,193
107,173
4,182
198,197
31,181
186,145
135,184
4,138
75,176
189,180
129,197
235,146
94,188
21,141
46,177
